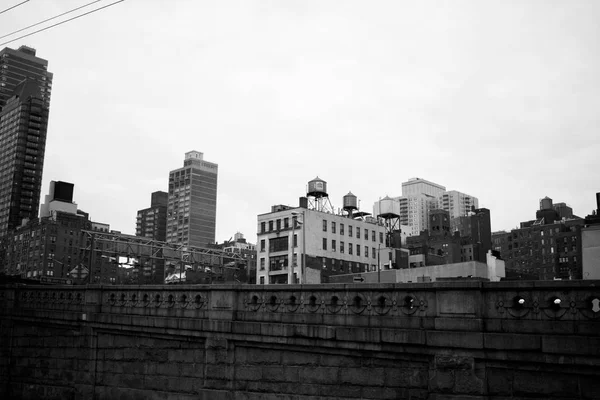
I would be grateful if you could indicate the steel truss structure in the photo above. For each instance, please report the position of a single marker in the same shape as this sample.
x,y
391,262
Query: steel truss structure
x,y
141,248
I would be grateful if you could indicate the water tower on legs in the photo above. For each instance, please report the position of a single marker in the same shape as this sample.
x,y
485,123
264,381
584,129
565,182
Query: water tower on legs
x,y
350,204
318,199
388,209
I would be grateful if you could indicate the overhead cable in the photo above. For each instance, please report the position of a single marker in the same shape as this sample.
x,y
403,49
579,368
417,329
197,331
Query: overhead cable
x,y
15,6
50,19
62,22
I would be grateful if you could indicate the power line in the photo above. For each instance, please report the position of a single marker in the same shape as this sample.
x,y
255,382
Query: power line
x,y
50,19
62,22
15,6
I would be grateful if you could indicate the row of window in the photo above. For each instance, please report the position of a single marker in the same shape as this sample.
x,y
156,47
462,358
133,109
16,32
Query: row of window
x,y
350,247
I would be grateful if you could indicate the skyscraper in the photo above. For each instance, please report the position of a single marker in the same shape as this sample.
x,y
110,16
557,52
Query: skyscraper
x,y
192,209
24,100
21,64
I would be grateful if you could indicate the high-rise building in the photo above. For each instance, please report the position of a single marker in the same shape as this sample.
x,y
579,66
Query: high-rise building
x,y
456,203
19,65
24,100
416,186
420,197
192,208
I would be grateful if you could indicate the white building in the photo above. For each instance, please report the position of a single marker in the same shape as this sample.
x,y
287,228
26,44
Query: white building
x,y
456,203
420,196
416,186
493,269
301,245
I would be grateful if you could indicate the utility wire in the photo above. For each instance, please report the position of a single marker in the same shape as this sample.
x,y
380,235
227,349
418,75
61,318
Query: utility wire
x,y
50,19
62,22
15,6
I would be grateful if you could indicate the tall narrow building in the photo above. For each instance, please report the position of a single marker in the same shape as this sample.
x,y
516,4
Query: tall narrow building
x,y
18,65
152,222
24,101
192,209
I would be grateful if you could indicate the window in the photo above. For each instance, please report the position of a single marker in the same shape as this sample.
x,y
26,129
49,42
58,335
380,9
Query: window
x,y
278,244
358,249
324,243
286,223
366,234
373,234
278,225
332,227
295,240
262,245
350,230
358,232
278,263
262,264
366,251
332,245
324,226
380,237
373,252
341,247
270,226
341,229
262,280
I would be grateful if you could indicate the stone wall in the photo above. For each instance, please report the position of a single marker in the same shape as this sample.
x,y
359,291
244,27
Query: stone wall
x,y
445,340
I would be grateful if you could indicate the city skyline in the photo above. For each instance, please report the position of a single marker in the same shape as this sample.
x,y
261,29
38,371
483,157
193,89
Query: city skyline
x,y
280,94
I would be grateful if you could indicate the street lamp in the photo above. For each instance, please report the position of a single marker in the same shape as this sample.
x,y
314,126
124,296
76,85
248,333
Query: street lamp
x,y
302,262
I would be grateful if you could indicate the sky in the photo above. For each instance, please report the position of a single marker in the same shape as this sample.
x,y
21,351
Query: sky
x,y
497,99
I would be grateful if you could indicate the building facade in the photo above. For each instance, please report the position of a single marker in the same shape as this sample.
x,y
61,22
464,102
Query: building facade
x,y
53,247
23,126
300,245
416,186
457,204
192,207
19,65
152,222
543,249
420,197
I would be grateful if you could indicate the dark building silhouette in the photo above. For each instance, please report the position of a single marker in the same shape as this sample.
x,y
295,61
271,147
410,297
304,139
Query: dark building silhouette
x,y
466,238
52,247
152,223
24,102
19,65
546,248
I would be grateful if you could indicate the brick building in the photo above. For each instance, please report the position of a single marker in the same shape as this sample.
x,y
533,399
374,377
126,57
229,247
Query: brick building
x,y
546,248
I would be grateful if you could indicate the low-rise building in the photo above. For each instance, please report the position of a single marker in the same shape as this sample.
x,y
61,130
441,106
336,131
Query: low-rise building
x,y
302,245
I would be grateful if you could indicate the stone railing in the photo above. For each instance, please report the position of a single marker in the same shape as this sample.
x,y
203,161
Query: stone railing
x,y
569,300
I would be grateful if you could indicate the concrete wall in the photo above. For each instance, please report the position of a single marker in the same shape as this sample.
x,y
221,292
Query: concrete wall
x,y
461,340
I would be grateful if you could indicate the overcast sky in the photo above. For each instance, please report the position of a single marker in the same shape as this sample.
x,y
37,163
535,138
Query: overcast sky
x,y
497,99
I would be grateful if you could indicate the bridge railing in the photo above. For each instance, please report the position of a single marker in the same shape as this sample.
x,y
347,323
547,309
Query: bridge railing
x,y
370,304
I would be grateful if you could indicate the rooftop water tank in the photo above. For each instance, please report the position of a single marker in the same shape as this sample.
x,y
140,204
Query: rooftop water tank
x,y
317,188
388,208
350,202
